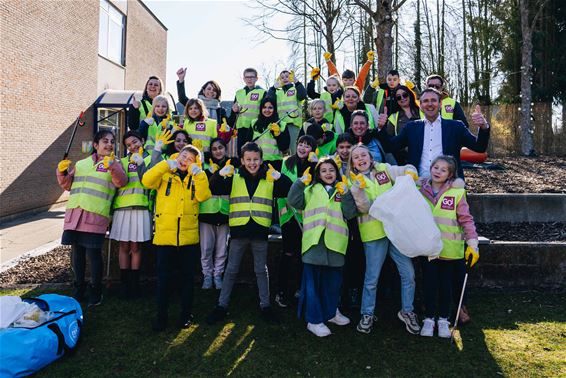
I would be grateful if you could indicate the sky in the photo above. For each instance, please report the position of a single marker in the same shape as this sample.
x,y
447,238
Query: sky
x,y
211,40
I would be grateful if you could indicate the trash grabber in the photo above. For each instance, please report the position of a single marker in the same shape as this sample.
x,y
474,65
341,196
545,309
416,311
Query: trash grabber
x,y
108,282
291,114
79,122
468,267
322,77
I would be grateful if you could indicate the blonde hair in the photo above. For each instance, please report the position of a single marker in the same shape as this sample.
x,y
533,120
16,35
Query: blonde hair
x,y
315,102
337,79
351,168
158,99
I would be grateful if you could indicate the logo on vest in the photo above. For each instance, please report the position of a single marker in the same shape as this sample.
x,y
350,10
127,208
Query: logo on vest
x,y
290,92
448,203
337,198
382,178
132,167
200,126
449,108
100,168
254,96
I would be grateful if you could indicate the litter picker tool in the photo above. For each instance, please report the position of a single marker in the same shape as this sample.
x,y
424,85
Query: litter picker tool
x,y
322,77
468,267
291,114
79,122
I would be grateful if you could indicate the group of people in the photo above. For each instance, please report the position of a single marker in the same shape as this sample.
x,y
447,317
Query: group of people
x,y
190,184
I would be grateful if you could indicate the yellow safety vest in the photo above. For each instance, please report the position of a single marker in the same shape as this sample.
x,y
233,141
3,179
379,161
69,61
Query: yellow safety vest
x,y
327,98
447,108
287,102
285,211
134,193
268,143
249,101
204,131
446,219
242,206
339,123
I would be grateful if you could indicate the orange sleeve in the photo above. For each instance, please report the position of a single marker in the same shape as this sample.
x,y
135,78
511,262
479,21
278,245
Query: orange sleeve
x,y
332,70
362,76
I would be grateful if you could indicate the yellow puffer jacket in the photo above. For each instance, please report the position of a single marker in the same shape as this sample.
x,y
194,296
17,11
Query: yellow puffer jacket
x,y
177,207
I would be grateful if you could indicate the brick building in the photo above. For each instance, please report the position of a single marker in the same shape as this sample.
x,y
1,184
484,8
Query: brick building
x,y
58,57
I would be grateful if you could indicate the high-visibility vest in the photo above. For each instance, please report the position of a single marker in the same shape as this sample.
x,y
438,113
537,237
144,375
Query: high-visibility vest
x,y
92,189
216,203
287,102
285,211
447,108
134,193
204,131
249,101
379,98
242,206
154,130
370,228
446,219
145,108
324,214
328,148
268,143
327,98
394,118
339,123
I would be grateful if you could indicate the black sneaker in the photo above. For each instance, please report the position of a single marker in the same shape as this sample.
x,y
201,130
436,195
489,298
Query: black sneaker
x,y
95,297
185,321
268,315
218,314
281,300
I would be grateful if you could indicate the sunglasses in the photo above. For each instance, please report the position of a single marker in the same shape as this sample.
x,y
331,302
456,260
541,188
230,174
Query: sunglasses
x,y
401,96
249,77
435,86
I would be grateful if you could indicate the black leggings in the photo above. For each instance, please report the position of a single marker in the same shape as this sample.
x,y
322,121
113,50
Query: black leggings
x,y
289,278
438,278
78,263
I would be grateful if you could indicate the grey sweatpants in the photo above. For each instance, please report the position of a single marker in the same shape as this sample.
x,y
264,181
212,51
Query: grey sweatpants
x,y
235,253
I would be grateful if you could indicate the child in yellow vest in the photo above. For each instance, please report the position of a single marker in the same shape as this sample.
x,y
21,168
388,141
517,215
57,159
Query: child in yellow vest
x,y
201,129
326,205
181,186
92,182
447,198
158,119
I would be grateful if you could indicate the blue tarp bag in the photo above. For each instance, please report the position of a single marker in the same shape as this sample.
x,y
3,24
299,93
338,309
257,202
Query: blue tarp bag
x,y
24,351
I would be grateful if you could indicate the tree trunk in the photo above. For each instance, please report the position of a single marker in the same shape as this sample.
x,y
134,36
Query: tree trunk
x,y
465,98
384,46
527,142
418,45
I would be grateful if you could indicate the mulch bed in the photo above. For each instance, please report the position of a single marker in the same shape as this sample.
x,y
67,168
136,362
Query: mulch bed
x,y
54,266
542,174
538,232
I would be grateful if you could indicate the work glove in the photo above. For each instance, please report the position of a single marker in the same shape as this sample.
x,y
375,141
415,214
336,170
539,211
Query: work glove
x,y
315,73
172,163
227,170
109,160
197,143
370,55
358,180
149,120
409,84
275,129
306,178
163,139
342,186
137,157
411,171
195,169
292,76
473,251
224,126
338,161
63,165
338,104
327,55
212,166
312,157
375,84
234,133
272,174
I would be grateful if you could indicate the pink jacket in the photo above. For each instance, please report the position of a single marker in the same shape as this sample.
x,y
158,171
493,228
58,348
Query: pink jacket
x,y
81,220
465,219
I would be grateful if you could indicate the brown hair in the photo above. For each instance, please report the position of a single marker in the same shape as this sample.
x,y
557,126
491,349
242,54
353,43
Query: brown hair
x,y
452,165
198,102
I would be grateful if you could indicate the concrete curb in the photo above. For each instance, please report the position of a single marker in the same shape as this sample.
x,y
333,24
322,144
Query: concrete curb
x,y
48,247
518,207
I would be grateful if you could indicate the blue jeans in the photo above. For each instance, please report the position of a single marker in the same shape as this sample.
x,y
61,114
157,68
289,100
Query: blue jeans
x,y
320,291
376,252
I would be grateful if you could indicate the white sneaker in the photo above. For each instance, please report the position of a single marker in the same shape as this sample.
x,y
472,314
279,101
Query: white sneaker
x,y
428,327
319,329
339,319
443,328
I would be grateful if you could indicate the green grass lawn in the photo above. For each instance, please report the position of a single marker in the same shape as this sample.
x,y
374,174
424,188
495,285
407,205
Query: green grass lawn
x,y
519,335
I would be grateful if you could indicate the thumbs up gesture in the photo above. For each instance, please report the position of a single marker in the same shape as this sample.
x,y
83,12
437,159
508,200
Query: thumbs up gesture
x,y
382,119
342,186
307,177
137,157
358,180
212,166
327,55
109,160
312,158
223,126
228,170
478,119
135,102
272,174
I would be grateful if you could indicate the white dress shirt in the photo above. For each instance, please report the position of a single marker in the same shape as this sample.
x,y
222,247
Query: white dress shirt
x,y
432,145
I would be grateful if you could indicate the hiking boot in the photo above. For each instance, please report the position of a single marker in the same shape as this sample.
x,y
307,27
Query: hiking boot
x,y
268,315
218,314
443,328
281,300
95,297
320,329
218,282
464,317
339,319
79,291
366,323
411,321
207,282
428,327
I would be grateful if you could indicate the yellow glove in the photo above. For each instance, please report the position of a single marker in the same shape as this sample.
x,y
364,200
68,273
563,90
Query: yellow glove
x,y
342,186
198,161
275,129
312,158
470,251
358,180
212,166
307,177
228,169
409,84
164,138
292,76
317,152
224,126
327,55
197,143
338,161
234,133
338,104
374,84
315,73
371,55
177,126
109,160
272,174
137,157
63,165
412,172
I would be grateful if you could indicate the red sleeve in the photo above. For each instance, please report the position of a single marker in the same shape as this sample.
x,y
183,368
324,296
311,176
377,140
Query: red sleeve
x,y
119,178
332,70
362,76
466,220
65,180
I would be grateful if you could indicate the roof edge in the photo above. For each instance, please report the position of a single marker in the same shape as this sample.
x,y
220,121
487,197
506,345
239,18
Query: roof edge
x,y
153,14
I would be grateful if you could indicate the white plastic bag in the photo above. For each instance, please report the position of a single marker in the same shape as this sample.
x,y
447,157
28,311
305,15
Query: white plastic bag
x,y
407,219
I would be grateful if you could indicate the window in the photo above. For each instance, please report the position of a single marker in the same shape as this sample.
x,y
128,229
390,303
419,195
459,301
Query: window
x,y
112,119
111,33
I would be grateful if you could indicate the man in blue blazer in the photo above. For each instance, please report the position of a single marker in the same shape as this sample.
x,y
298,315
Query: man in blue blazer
x,y
432,136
